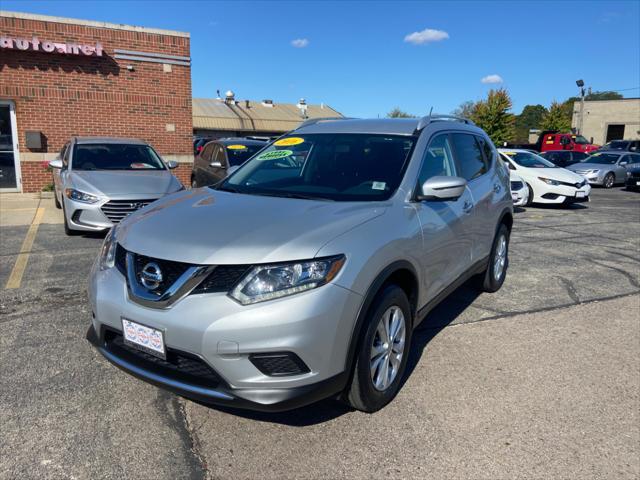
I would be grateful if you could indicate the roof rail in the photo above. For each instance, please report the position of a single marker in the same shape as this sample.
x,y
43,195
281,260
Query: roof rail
x,y
436,117
313,121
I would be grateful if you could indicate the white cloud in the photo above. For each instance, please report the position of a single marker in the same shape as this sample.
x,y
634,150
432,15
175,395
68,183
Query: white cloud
x,y
428,35
299,42
492,79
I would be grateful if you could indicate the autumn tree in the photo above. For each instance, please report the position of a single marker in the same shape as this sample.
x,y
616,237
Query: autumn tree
x,y
492,115
397,113
556,118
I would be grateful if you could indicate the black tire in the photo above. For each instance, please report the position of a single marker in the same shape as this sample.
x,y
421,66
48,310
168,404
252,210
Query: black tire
x,y
609,180
56,201
361,393
487,281
530,199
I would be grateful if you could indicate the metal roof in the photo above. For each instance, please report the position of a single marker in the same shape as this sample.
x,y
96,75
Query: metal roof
x,y
213,114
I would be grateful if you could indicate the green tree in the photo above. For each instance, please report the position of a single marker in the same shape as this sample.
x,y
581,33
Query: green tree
x,y
492,115
556,118
397,113
465,109
531,117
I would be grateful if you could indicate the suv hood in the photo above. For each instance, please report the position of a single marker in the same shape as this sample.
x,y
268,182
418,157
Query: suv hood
x,y
206,226
125,183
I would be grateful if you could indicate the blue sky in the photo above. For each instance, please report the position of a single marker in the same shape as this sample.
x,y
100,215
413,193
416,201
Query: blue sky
x,y
362,59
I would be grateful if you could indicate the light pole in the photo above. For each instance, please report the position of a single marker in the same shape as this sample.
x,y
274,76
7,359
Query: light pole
x,y
580,84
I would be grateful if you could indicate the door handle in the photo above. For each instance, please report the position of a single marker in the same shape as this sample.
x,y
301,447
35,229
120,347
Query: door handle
x,y
497,187
467,207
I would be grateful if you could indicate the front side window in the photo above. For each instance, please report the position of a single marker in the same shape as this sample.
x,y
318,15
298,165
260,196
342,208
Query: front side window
x,y
469,156
580,140
331,166
438,160
114,156
488,151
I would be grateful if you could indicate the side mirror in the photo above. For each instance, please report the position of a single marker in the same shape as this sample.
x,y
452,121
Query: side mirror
x,y
57,163
216,164
171,164
623,162
442,188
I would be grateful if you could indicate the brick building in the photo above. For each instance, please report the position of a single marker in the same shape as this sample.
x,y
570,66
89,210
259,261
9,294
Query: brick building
x,y
61,77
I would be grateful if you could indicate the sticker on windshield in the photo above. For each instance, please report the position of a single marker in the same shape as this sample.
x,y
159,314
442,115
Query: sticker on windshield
x,y
236,147
511,154
141,165
274,155
378,186
288,142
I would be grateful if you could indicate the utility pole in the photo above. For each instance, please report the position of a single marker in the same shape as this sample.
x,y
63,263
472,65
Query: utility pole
x,y
580,84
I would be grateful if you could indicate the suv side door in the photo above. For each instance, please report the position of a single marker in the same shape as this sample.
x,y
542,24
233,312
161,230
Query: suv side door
x,y
475,166
200,165
444,223
217,166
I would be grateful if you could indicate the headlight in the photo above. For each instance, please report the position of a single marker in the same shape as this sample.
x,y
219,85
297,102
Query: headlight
x,y
108,252
548,181
595,171
266,282
628,173
79,196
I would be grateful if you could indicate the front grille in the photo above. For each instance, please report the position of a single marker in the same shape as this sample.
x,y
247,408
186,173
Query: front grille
x,y
582,172
635,174
171,271
279,364
222,279
179,365
116,210
517,185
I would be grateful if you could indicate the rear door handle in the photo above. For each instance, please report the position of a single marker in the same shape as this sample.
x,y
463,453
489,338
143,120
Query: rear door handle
x,y
467,207
497,187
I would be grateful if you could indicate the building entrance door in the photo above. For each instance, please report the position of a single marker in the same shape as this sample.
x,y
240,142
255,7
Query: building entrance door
x,y
9,162
614,132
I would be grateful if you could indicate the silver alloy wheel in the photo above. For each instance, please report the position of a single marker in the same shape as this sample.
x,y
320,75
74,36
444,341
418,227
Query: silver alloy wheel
x,y
500,259
608,180
387,348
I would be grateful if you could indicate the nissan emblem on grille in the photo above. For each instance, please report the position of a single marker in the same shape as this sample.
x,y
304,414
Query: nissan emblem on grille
x,y
151,276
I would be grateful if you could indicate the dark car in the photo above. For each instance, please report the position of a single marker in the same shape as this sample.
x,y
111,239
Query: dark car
x,y
621,146
633,178
218,156
564,158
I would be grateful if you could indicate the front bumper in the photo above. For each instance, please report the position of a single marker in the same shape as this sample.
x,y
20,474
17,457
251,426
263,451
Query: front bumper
x,y
315,325
520,197
91,217
561,194
633,183
259,399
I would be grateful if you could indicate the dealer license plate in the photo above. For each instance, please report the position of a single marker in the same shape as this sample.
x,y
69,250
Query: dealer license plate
x,y
515,196
581,194
147,339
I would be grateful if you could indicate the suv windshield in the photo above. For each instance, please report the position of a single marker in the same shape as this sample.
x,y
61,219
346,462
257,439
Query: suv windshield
x,y
238,153
579,139
529,160
342,167
602,158
115,156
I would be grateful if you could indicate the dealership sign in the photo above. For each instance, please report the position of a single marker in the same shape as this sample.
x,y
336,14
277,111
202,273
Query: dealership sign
x,y
35,45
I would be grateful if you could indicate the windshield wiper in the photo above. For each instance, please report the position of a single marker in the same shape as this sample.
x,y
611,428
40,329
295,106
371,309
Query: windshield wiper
x,y
226,188
291,195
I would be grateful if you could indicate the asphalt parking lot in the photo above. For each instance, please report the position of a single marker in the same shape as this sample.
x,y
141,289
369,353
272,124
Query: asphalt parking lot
x,y
541,379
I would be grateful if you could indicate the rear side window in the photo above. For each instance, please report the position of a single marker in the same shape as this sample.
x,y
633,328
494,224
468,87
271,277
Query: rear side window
x,y
438,160
206,152
470,158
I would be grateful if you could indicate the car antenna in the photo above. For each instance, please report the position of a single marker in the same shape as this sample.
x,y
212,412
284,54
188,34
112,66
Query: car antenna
x,y
431,110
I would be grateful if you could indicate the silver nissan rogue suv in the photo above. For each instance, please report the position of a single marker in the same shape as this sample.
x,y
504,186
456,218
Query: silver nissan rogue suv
x,y
303,275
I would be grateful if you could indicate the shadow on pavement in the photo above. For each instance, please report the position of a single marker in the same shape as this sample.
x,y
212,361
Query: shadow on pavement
x,y
439,318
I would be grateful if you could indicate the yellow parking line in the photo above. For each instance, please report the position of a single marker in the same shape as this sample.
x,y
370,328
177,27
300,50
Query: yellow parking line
x,y
15,279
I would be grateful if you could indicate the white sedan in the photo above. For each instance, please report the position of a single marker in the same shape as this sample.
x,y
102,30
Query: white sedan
x,y
519,191
546,182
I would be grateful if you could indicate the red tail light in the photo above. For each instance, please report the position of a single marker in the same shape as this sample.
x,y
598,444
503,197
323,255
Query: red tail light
x,y
199,149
